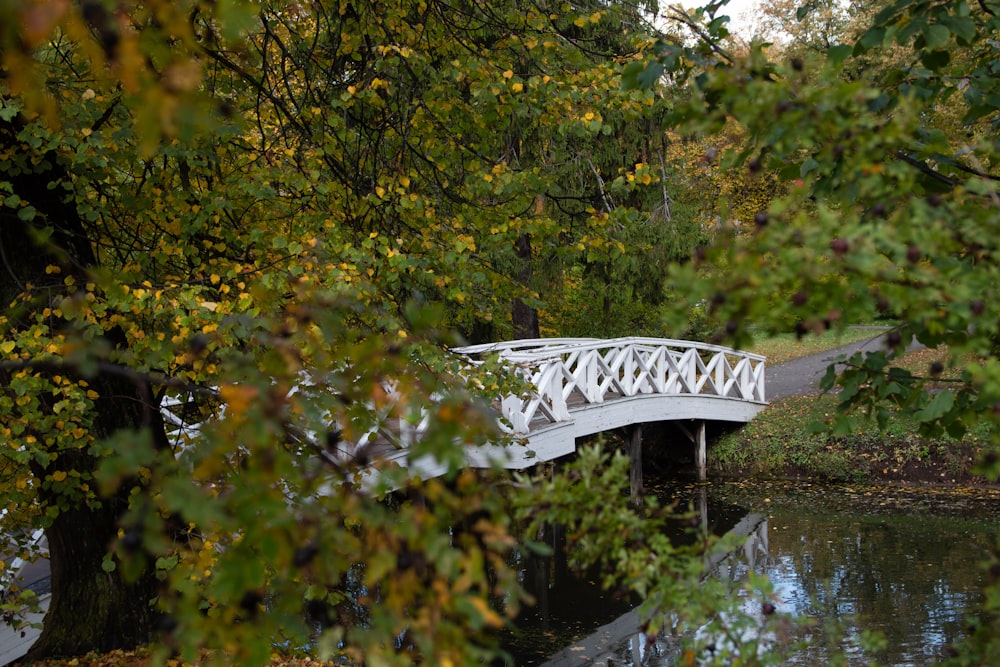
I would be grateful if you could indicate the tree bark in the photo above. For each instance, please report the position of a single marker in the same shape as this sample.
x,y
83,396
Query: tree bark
x,y
90,609
525,318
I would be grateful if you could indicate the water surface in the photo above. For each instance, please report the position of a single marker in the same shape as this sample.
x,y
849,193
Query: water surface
x,y
903,561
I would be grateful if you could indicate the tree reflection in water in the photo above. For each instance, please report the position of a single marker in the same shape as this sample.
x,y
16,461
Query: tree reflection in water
x,y
902,561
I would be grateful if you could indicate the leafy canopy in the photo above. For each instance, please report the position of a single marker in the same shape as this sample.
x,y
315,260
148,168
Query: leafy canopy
x,y
265,219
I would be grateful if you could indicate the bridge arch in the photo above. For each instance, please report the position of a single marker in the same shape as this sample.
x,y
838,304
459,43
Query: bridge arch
x,y
584,386
576,387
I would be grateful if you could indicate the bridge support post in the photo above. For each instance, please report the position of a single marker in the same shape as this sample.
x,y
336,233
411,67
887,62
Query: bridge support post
x,y
700,447
635,462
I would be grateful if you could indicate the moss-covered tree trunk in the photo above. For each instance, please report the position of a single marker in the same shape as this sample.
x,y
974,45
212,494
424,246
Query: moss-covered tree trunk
x,y
90,608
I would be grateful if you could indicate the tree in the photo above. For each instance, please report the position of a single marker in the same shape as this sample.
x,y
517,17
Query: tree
x,y
803,34
888,148
265,218
889,207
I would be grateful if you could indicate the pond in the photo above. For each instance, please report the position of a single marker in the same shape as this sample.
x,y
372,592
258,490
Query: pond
x,y
903,561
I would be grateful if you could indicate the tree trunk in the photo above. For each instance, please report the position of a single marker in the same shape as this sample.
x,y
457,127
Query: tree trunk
x,y
90,609
525,317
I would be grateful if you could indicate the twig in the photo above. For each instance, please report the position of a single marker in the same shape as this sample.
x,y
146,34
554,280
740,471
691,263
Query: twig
x,y
108,368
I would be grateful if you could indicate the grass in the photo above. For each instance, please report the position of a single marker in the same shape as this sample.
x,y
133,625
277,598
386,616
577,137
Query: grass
x,y
785,347
782,442
778,443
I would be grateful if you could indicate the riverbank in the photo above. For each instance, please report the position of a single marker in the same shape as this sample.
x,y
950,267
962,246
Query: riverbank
x,y
781,443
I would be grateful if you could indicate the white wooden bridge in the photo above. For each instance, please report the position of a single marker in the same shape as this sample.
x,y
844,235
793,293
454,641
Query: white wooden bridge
x,y
584,386
578,387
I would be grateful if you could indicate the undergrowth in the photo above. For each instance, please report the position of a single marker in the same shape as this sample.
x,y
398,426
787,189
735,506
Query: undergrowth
x,y
778,443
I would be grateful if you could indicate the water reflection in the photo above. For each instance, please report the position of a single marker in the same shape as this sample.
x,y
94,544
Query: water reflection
x,y
870,562
900,561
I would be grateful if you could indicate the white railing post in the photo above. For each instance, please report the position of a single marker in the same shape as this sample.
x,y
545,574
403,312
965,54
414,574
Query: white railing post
x,y
628,369
691,360
720,373
746,389
550,389
590,377
512,409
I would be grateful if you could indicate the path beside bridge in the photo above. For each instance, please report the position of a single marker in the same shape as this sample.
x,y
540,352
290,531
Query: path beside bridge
x,y
803,375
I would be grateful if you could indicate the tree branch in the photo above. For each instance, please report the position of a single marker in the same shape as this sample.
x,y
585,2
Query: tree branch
x,y
107,368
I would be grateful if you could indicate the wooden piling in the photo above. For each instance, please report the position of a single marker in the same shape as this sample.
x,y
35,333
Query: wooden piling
x,y
635,461
700,447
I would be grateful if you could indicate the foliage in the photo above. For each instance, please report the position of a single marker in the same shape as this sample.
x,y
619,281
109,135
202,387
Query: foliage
x,y
270,215
891,199
887,143
142,658
267,217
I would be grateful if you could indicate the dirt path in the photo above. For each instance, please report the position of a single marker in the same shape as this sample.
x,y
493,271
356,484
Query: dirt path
x,y
802,376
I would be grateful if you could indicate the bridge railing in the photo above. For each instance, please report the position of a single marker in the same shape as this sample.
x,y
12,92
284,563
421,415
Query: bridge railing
x,y
567,372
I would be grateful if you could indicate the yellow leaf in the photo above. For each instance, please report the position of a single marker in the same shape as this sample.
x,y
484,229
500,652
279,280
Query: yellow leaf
x,y
58,475
7,346
238,397
490,617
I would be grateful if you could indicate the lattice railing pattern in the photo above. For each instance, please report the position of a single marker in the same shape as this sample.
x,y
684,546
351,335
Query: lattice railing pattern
x,y
565,372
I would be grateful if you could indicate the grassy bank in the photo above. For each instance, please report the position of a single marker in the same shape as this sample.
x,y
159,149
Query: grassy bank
x,y
785,347
778,443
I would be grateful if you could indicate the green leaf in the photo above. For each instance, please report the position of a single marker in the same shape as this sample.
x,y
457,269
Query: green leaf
x,y
843,425
108,564
938,406
962,27
167,562
650,75
935,60
839,53
936,35
872,38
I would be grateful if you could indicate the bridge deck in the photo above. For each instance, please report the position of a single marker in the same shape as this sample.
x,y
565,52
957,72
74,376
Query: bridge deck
x,y
579,387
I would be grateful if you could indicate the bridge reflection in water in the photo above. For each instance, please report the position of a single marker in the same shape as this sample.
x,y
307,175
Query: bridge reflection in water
x,y
572,605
